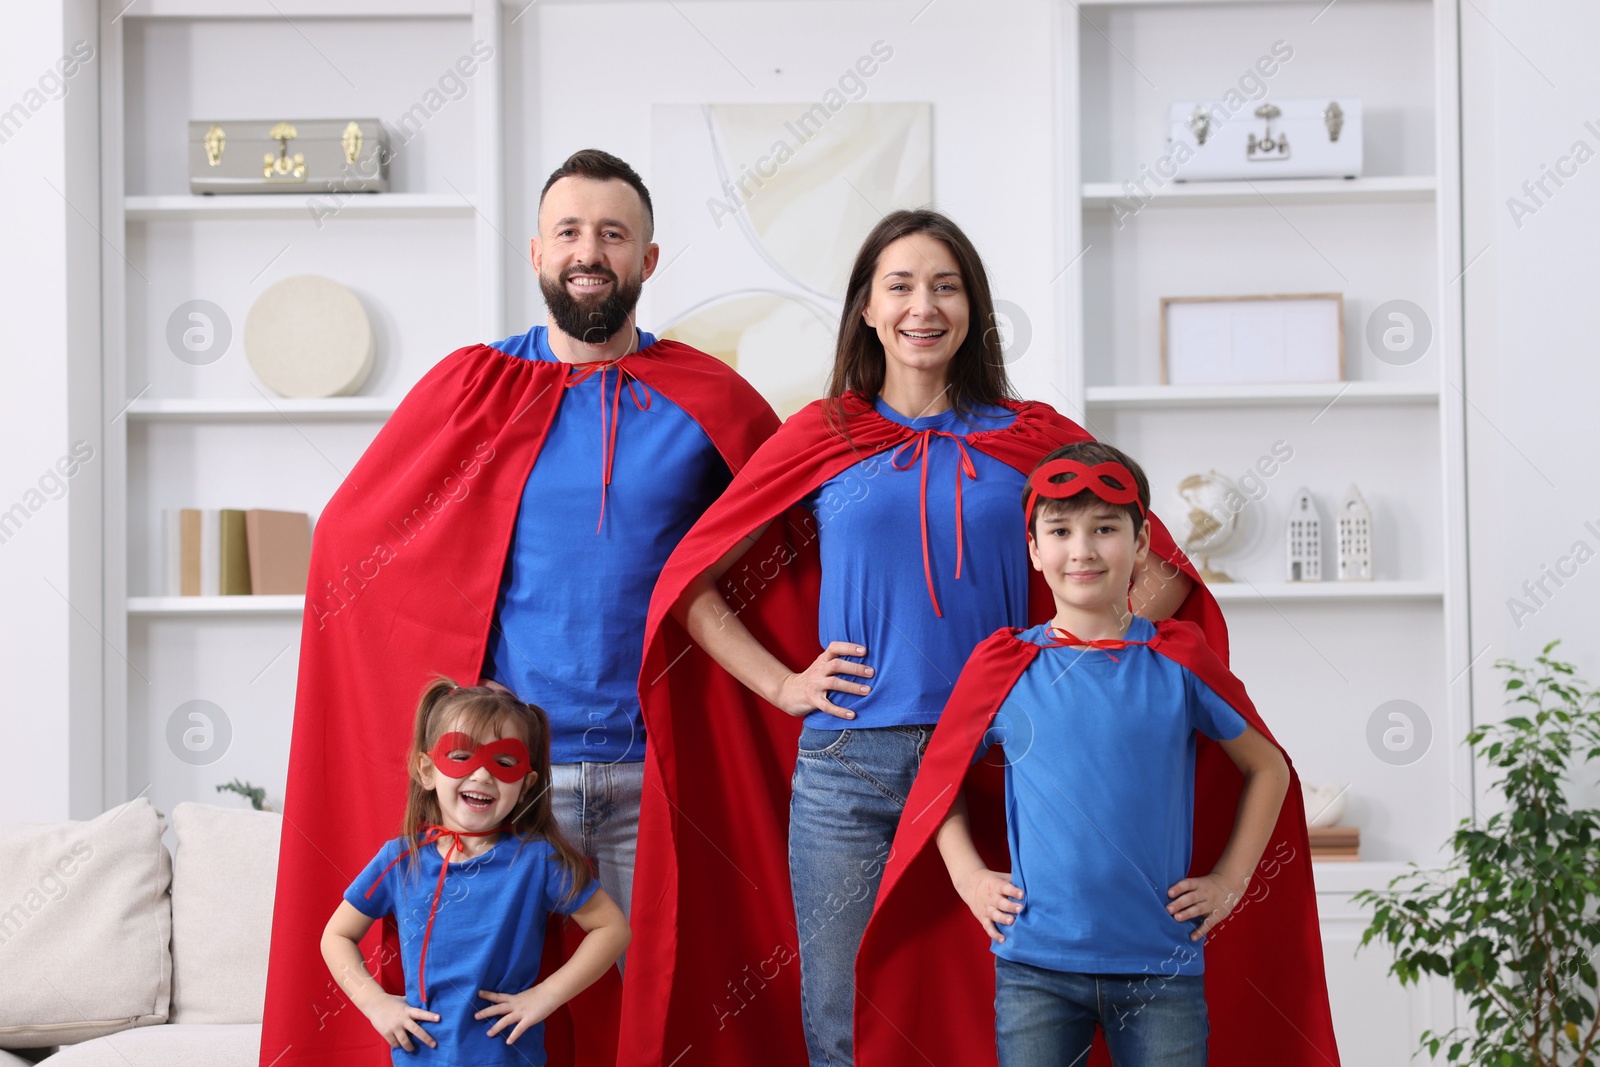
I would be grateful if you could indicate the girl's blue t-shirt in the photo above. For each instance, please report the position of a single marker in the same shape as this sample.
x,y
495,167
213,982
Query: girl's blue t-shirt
x,y
568,628
1099,763
874,589
488,933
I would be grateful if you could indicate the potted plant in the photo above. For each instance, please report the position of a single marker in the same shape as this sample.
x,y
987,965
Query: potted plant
x,y
1511,922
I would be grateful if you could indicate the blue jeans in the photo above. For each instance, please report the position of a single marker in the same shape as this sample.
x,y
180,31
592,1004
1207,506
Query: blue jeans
x,y
596,807
849,789
1046,1018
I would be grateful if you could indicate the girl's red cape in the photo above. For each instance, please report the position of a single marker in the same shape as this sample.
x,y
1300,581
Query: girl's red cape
x,y
1266,994
713,970
405,569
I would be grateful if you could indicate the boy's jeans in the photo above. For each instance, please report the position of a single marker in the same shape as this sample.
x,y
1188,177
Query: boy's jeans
x,y
849,789
596,806
1046,1018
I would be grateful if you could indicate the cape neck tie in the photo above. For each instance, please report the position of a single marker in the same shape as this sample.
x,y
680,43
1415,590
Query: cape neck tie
x,y
912,451
431,835
1059,638
582,372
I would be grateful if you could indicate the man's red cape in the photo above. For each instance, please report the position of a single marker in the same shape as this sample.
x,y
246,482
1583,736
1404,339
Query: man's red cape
x,y
713,966
405,569
1266,994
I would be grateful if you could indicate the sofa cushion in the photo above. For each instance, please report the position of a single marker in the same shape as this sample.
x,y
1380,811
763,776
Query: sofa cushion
x,y
167,1046
85,922
222,888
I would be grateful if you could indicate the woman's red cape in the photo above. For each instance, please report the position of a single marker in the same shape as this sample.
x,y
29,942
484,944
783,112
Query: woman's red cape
x,y
405,569
925,975
713,970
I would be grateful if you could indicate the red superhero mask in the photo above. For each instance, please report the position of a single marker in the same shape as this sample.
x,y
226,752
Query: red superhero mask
x,y
489,755
1088,479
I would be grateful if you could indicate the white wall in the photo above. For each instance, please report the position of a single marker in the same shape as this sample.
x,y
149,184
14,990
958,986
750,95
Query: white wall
x,y
1530,85
49,299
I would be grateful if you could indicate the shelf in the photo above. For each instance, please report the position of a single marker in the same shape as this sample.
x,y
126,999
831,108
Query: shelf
x,y
1270,592
1223,396
335,205
1351,877
216,605
303,9
1390,190
343,407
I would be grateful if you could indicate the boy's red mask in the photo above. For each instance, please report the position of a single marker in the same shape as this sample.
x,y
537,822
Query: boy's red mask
x,y
1088,479
481,756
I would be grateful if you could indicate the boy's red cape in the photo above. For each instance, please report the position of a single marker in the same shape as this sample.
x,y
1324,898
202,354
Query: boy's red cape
x,y
405,569
1265,991
713,969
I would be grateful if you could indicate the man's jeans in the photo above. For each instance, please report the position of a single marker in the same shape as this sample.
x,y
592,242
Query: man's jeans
x,y
596,807
849,789
1046,1018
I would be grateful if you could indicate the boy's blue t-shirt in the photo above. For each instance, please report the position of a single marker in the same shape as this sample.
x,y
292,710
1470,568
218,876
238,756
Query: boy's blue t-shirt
x,y
488,933
874,590
1099,758
568,631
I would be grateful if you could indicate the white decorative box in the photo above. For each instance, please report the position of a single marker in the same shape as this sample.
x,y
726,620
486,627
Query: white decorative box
x,y
1272,139
304,155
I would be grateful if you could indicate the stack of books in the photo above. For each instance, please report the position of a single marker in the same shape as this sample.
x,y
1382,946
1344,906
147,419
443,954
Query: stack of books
x,y
1335,843
228,552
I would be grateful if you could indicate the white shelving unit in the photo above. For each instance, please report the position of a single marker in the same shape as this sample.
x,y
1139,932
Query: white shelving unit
x,y
426,259
1319,657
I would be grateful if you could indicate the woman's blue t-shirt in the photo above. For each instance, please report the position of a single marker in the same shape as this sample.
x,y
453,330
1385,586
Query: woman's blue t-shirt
x,y
488,933
874,589
1099,758
568,631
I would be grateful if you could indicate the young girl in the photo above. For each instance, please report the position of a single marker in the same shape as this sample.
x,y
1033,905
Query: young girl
x,y
471,883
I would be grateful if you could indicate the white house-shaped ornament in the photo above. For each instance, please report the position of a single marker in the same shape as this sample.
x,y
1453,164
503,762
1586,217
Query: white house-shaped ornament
x,y
1303,540
1355,538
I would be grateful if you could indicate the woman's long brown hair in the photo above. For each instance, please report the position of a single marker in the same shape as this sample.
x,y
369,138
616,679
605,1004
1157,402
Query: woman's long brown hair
x,y
482,711
977,372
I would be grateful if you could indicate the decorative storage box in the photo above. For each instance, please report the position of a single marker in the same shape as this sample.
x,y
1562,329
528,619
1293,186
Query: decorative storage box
x,y
315,155
1282,139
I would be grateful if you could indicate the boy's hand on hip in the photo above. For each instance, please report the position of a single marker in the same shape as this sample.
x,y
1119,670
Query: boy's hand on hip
x,y
994,901
1207,897
398,1022
527,1008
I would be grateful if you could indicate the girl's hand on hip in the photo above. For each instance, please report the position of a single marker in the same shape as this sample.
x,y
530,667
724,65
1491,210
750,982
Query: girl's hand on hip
x,y
807,691
994,901
399,1022
1208,896
527,1008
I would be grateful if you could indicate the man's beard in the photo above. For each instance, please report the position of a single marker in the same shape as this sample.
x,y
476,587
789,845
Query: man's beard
x,y
591,321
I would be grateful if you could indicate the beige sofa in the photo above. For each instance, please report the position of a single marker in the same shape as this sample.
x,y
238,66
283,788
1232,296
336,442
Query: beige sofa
x,y
112,955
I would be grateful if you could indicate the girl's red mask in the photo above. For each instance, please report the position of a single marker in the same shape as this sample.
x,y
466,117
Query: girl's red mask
x,y
489,755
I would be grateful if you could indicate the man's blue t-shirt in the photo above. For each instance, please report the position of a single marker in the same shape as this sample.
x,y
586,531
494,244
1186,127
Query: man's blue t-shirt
x,y
874,589
568,630
1099,757
488,933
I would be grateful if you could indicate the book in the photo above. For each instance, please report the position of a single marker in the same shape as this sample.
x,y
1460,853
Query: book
x,y
233,554
279,549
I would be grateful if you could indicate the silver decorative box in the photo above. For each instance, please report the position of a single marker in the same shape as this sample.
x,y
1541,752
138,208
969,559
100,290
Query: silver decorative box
x,y
301,155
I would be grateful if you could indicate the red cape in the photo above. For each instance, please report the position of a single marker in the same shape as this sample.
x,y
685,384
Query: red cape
x,y
405,569
718,970
1265,990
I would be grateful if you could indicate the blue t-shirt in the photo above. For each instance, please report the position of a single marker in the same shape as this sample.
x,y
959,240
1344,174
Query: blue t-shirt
x,y
1100,805
874,589
487,934
568,630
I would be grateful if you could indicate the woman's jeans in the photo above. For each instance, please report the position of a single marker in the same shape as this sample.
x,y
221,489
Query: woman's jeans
x,y
1046,1018
849,789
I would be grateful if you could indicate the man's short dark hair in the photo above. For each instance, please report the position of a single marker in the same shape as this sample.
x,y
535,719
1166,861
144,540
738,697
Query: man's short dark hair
x,y
600,166
1091,453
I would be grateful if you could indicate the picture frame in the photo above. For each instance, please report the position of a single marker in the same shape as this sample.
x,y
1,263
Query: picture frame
x,y
1275,339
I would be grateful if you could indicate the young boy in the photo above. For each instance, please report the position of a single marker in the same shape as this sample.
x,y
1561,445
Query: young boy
x,y
1098,922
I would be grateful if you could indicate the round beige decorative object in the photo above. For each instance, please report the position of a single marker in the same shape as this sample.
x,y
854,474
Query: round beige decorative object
x,y
308,336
